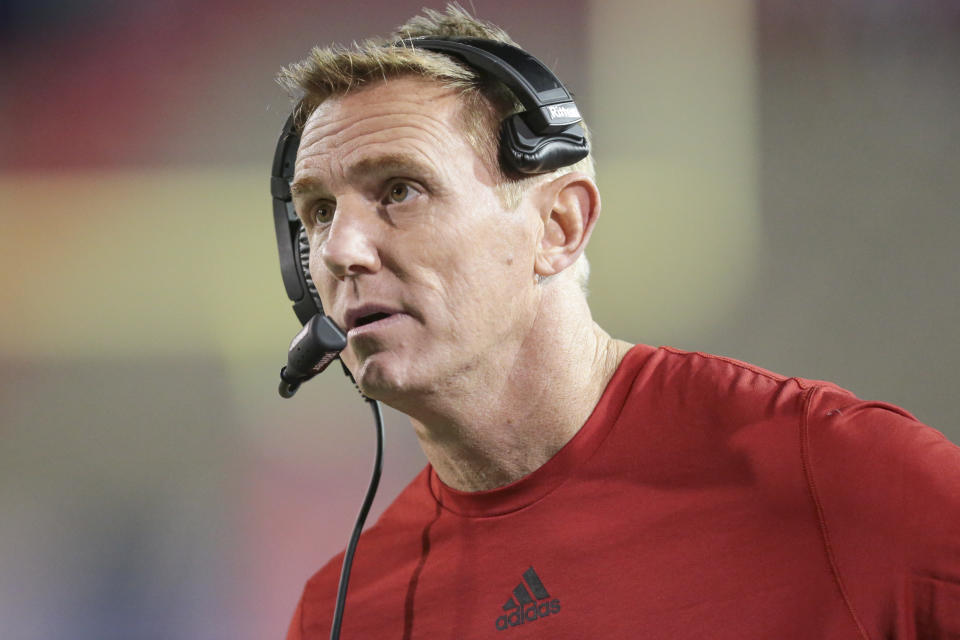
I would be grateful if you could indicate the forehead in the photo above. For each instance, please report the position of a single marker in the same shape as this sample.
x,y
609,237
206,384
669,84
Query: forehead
x,y
401,116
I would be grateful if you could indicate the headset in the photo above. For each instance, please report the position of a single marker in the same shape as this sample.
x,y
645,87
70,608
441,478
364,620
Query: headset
x,y
545,136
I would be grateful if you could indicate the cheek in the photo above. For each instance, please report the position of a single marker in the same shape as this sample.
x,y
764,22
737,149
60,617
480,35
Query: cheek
x,y
437,258
491,268
319,272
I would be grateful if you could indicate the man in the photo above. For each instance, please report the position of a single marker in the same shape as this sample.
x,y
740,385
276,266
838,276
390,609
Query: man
x,y
579,486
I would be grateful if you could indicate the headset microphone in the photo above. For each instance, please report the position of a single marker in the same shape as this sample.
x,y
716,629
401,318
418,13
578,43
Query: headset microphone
x,y
311,351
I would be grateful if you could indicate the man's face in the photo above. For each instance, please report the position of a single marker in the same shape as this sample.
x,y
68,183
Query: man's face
x,y
411,249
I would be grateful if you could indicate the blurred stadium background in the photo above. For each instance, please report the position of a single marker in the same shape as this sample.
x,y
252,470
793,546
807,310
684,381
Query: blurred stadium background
x,y
780,184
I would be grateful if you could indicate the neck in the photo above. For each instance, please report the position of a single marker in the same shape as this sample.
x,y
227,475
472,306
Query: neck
x,y
513,415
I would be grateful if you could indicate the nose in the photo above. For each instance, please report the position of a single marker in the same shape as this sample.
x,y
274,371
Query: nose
x,y
350,246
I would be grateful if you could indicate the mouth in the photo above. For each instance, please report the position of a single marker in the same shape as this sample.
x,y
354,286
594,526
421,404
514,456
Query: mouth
x,y
371,318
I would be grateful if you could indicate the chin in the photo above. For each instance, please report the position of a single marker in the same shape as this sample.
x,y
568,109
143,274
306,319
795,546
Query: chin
x,y
383,376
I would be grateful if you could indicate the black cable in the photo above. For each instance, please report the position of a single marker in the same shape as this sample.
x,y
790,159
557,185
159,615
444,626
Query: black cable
x,y
358,527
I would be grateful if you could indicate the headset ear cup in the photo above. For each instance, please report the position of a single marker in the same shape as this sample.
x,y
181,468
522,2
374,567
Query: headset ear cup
x,y
303,258
526,153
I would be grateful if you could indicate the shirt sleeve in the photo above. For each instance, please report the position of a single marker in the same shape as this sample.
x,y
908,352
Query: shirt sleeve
x,y
887,490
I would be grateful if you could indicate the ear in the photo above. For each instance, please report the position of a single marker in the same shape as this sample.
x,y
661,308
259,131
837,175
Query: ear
x,y
569,208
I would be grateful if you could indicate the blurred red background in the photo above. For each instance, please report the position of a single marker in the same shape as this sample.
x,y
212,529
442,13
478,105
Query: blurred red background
x,y
779,183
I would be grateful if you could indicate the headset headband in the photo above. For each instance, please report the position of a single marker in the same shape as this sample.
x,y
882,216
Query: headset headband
x,y
548,106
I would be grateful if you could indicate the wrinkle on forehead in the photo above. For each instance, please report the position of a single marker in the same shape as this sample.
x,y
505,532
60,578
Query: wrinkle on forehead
x,y
359,156
407,116
432,105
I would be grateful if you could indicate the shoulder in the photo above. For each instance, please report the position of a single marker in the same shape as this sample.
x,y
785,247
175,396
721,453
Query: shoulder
x,y
866,447
876,460
886,489
839,431
864,460
715,383
883,487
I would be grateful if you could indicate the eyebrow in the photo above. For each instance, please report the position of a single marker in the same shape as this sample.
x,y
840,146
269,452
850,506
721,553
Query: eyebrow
x,y
306,185
395,163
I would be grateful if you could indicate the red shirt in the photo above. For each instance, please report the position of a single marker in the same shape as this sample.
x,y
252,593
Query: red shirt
x,y
703,498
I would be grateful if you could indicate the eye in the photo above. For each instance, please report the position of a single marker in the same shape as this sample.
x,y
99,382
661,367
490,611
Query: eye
x,y
400,192
322,212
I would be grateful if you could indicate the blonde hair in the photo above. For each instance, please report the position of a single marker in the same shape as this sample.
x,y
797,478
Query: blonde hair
x,y
333,71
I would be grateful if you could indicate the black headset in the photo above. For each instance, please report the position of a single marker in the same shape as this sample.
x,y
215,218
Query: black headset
x,y
545,136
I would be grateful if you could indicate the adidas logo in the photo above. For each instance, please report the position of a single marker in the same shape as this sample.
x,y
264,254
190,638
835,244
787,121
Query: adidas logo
x,y
523,608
